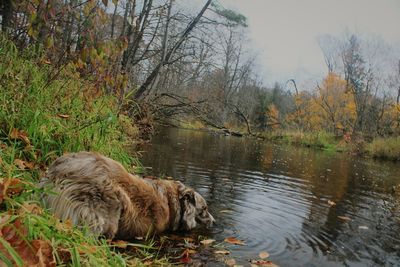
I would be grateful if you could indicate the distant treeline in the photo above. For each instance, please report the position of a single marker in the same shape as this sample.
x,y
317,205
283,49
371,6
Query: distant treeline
x,y
179,59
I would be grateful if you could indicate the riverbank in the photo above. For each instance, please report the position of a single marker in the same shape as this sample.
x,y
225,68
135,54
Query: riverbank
x,y
380,148
39,121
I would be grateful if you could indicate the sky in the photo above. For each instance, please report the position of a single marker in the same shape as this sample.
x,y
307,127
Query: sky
x,y
284,33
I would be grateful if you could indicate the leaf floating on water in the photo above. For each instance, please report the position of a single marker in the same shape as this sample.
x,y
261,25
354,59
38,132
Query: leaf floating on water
x,y
233,240
263,263
230,262
207,241
331,203
223,252
344,218
363,227
263,255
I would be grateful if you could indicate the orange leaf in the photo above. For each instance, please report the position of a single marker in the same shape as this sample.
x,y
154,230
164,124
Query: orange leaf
x,y
233,240
120,243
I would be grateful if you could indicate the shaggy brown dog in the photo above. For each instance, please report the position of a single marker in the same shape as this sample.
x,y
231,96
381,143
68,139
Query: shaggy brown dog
x,y
94,190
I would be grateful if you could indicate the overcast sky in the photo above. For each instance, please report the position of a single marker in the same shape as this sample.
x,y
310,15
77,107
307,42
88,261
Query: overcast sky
x,y
285,32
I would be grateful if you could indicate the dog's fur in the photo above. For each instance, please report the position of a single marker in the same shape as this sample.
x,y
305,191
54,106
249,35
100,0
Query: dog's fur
x,y
93,190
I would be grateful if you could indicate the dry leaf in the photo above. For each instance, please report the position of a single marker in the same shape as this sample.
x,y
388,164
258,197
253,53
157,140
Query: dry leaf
x,y
263,263
207,241
20,164
63,116
19,134
34,253
263,255
10,187
230,262
223,252
31,208
120,243
331,203
233,240
344,218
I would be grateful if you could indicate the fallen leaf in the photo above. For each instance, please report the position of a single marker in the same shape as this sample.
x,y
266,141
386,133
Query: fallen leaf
x,y
223,252
230,262
10,187
147,263
19,134
331,203
363,227
344,218
263,263
233,240
44,253
63,116
263,255
32,253
185,256
30,208
20,164
86,248
207,241
119,243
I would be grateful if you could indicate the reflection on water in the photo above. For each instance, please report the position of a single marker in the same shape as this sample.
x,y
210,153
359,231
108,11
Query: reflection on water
x,y
275,198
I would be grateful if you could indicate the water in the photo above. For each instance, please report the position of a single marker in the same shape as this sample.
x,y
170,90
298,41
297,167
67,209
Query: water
x,y
275,198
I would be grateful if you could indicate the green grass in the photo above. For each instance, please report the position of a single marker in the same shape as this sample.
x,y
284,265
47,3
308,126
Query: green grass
x,y
387,148
320,140
39,121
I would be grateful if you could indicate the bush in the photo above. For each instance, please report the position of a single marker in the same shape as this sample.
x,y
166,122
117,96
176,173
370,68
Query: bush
x,y
388,148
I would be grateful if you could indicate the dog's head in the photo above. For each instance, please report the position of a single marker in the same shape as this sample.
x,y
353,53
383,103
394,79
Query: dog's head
x,y
194,208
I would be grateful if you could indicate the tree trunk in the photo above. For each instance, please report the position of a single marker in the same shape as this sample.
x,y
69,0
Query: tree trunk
x,y
168,56
6,12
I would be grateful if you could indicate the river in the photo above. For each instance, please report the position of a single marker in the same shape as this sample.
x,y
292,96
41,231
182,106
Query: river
x,y
305,207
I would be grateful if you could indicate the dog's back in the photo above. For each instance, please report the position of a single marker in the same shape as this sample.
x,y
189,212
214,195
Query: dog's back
x,y
84,192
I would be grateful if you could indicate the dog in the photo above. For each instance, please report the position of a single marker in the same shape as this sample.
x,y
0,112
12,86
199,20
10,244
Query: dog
x,y
93,190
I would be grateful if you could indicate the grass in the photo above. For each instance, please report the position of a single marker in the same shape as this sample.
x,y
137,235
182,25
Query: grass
x,y
320,140
39,121
387,148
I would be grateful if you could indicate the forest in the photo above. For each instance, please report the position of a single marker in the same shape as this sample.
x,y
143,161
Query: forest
x,y
99,74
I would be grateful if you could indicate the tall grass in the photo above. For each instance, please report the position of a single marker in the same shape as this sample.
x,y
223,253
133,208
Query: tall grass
x,y
388,148
45,112
321,139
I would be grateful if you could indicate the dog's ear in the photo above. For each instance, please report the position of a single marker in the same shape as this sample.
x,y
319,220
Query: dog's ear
x,y
186,192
